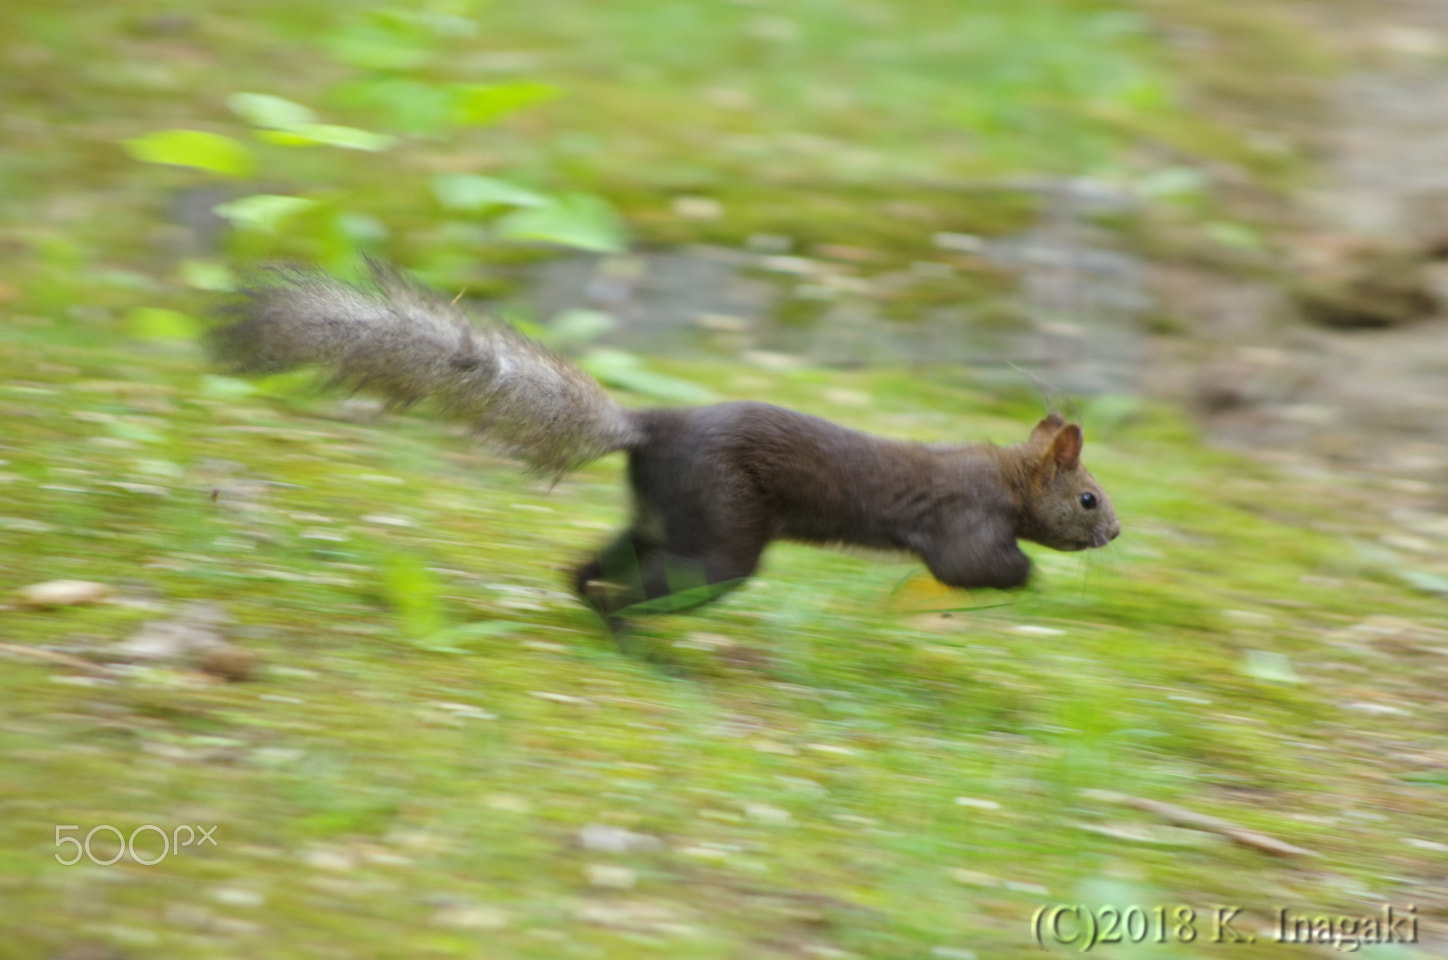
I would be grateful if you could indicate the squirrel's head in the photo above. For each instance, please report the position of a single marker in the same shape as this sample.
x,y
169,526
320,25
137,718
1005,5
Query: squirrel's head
x,y
1064,507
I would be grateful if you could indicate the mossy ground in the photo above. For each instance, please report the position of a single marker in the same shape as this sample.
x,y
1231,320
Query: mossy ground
x,y
799,748
440,745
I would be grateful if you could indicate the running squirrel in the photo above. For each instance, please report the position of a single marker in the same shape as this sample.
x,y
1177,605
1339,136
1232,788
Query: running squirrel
x,y
711,485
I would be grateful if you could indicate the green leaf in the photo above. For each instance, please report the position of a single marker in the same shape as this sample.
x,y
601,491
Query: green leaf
x,y
330,135
447,640
194,148
472,193
413,591
155,323
1376,554
362,228
407,105
128,430
265,110
576,327
579,220
1235,236
206,275
681,599
380,45
226,388
1425,580
617,368
262,212
1437,778
1270,666
479,104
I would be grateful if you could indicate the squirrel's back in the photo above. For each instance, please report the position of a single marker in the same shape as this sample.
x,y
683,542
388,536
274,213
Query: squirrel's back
x,y
820,482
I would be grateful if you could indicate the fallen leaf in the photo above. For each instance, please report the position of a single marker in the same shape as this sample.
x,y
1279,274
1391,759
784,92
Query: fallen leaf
x,y
63,593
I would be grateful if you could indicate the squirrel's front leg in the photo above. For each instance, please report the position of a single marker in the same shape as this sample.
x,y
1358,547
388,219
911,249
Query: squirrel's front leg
x,y
977,558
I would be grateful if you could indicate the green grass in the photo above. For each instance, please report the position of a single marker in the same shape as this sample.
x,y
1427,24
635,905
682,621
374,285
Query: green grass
x,y
796,749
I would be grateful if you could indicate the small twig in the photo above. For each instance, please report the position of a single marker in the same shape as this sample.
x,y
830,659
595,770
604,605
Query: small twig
x,y
35,653
1182,817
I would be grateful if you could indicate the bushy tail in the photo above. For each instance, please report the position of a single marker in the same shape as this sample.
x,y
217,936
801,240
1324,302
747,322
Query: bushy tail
x,y
406,343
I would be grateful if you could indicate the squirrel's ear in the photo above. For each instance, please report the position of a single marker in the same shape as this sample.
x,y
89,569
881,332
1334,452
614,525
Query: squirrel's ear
x,y
1066,447
1046,429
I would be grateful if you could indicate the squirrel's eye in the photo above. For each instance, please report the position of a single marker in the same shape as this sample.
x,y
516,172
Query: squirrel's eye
x,y
1088,500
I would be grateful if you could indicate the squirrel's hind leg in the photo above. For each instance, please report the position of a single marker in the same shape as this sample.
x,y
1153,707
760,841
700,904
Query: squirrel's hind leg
x,y
639,575
615,578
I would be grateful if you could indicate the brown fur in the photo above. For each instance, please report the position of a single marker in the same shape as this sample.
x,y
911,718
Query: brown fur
x,y
712,486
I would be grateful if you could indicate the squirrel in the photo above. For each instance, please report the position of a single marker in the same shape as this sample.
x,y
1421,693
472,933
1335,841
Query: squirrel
x,y
711,485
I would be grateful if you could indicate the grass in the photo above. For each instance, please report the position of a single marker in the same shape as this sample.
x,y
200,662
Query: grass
x,y
440,753
797,750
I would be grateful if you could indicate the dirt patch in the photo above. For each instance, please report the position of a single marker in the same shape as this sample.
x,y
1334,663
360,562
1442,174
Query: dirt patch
x,y
1346,359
